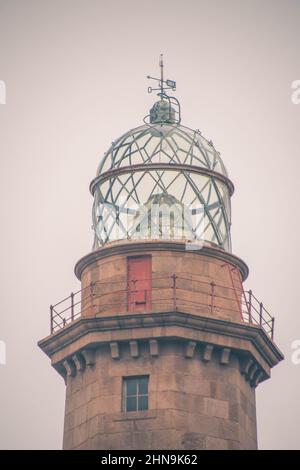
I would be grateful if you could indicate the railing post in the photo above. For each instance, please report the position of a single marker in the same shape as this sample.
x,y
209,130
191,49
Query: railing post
x,y
212,297
134,293
92,296
260,313
51,319
272,331
250,306
72,306
174,292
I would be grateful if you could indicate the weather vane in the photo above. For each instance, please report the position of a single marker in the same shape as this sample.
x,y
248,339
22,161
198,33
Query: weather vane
x,y
163,84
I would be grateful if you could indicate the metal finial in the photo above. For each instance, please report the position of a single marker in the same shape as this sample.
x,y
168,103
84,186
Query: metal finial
x,y
166,110
163,84
161,64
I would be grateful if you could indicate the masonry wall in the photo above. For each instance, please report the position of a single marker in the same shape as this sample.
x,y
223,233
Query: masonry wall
x,y
195,272
193,404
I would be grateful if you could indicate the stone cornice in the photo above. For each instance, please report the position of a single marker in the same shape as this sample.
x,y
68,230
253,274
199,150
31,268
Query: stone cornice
x,y
90,332
140,246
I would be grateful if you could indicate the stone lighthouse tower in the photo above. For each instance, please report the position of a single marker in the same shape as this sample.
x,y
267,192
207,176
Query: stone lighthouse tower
x,y
162,348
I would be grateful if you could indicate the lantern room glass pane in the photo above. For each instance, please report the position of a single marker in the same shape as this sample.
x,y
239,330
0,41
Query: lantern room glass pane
x,y
184,199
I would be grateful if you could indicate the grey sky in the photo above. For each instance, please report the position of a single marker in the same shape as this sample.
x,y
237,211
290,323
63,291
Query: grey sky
x,y
75,73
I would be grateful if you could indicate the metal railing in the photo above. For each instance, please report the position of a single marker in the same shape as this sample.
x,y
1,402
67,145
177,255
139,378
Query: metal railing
x,y
179,293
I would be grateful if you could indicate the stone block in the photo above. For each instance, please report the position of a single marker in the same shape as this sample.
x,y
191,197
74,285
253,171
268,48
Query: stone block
x,y
153,345
134,349
213,443
196,385
162,440
233,445
80,415
207,352
80,434
114,349
217,408
93,408
70,368
229,429
95,426
79,362
142,440
171,381
118,441
190,349
204,424
112,425
89,357
234,411
162,420
192,441
226,391
225,356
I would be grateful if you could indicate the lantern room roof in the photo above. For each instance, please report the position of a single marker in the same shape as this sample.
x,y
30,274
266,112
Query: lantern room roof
x,y
164,143
162,180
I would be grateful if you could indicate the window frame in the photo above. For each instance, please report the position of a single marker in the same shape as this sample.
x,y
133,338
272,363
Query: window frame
x,y
137,394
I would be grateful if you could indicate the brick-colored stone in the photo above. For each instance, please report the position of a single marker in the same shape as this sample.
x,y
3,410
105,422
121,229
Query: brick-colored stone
x,y
198,397
213,443
214,407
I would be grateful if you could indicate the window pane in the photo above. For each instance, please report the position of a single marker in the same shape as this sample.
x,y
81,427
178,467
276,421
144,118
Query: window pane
x,y
131,387
143,386
143,402
135,391
131,404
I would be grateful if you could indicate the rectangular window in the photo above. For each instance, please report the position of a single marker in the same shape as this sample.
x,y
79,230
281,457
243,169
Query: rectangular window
x,y
135,393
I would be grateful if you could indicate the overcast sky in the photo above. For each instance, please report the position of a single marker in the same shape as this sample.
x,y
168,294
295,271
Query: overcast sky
x,y
75,74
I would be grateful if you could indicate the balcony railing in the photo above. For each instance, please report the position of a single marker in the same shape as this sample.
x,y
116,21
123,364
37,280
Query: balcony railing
x,y
167,293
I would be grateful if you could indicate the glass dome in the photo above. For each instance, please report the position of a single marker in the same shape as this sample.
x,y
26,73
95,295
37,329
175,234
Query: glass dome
x,y
160,143
162,181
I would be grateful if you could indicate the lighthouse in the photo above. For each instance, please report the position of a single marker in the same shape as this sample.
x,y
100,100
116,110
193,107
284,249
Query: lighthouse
x,y
162,347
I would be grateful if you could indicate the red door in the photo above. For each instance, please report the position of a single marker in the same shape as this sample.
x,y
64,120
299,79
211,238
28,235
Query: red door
x,y
139,283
